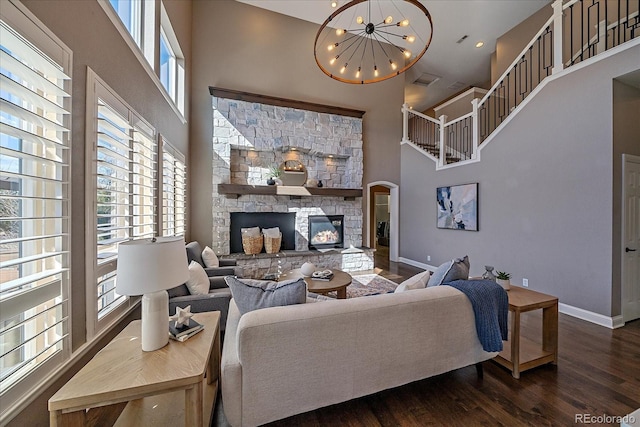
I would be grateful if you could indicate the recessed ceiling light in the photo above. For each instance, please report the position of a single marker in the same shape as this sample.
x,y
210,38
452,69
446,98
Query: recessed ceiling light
x,y
334,3
480,44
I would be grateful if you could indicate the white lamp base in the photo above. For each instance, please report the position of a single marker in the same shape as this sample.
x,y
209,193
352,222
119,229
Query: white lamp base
x,y
155,320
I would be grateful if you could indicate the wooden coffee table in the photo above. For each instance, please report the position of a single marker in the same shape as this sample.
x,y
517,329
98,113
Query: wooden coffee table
x,y
338,282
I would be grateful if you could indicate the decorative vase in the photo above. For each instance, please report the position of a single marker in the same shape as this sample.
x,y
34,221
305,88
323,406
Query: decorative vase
x,y
488,275
320,184
505,283
307,269
271,181
278,181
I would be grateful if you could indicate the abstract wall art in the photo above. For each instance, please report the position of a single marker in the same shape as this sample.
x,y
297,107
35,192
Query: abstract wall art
x,y
458,207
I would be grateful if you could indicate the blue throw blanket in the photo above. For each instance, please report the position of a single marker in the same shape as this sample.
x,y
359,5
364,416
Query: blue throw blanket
x,y
490,307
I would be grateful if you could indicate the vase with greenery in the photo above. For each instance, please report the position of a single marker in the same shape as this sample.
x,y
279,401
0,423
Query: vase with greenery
x,y
273,174
504,279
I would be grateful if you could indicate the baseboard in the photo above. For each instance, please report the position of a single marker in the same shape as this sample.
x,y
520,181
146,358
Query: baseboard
x,y
599,319
416,263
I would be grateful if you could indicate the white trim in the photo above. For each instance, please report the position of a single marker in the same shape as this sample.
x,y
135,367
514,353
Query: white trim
x,y
420,150
587,62
626,158
459,97
394,219
590,316
113,17
416,263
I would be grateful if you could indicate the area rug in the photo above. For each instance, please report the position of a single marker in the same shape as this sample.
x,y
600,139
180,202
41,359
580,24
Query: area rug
x,y
369,284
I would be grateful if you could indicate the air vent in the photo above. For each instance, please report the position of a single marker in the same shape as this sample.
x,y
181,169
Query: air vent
x,y
463,38
426,79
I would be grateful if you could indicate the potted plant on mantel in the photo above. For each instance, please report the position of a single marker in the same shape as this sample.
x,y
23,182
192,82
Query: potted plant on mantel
x,y
503,279
274,173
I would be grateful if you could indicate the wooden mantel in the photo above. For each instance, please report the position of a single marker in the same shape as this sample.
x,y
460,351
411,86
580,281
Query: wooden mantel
x,y
283,102
286,190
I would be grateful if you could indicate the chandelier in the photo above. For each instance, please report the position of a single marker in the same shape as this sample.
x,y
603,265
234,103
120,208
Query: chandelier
x,y
368,41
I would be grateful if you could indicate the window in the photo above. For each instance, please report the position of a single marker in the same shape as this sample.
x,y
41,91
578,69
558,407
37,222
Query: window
x,y
137,17
136,22
174,179
130,13
171,62
35,120
124,162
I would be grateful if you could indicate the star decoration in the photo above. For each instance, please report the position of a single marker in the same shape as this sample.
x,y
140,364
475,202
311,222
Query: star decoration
x,y
182,316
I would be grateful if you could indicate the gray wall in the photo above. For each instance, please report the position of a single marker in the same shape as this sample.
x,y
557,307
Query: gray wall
x,y
241,47
513,41
545,193
87,31
626,140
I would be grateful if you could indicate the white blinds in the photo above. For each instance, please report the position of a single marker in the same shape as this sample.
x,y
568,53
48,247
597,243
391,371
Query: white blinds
x,y
174,179
34,208
126,180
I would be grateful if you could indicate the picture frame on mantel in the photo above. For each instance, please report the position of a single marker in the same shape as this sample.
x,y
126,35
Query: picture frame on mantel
x,y
458,207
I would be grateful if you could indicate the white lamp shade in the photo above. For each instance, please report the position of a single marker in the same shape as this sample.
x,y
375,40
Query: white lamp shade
x,y
146,266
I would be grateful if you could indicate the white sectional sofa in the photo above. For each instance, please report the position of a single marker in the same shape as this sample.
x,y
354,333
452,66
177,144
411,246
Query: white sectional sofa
x,y
282,361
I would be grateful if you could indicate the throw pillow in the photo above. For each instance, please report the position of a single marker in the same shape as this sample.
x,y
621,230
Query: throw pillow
x,y
210,258
198,282
252,294
418,281
456,269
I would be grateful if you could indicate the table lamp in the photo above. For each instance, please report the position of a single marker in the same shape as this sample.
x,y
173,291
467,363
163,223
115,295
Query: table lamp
x,y
149,267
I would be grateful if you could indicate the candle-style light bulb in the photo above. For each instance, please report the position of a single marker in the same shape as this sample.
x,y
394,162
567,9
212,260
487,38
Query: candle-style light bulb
x,y
393,65
410,39
407,53
343,69
330,47
375,70
334,3
359,19
403,23
340,31
358,73
333,60
388,19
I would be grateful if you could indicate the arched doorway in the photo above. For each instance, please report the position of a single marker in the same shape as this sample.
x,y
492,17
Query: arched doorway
x,y
382,217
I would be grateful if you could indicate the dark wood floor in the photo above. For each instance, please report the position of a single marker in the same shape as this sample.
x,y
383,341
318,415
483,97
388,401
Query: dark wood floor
x,y
598,373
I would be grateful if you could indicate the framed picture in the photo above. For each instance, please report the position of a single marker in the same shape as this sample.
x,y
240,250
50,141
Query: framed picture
x,y
458,207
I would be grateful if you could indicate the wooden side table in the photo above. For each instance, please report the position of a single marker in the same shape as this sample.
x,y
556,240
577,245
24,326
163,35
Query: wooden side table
x,y
163,387
519,353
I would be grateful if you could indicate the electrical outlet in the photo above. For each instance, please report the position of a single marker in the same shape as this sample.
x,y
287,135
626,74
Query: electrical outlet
x,y
428,257
525,283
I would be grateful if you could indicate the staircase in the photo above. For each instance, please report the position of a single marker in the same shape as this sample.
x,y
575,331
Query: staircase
x,y
577,31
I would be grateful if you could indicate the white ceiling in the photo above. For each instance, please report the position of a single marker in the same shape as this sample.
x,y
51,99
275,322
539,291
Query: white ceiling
x,y
462,63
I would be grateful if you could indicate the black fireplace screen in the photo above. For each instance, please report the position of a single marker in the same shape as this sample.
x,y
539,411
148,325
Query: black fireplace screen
x,y
285,221
326,231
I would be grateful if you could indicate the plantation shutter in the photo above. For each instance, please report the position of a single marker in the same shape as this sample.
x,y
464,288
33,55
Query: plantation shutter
x,y
174,177
34,205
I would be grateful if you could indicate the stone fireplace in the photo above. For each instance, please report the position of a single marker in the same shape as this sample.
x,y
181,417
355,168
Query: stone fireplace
x,y
249,137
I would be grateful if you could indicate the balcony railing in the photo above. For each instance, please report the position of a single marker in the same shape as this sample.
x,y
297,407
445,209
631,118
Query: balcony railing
x,y
577,30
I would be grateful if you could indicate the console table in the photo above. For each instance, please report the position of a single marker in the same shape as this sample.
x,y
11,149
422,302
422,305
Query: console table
x,y
519,353
162,387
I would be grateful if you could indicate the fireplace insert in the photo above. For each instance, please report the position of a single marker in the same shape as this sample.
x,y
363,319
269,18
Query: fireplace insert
x,y
326,231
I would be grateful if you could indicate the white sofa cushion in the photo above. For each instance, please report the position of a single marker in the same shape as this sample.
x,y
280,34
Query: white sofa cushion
x,y
198,282
418,281
210,258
